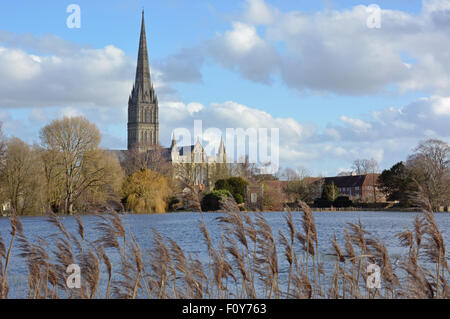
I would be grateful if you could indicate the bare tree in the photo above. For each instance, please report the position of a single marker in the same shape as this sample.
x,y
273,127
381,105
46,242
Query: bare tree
x,y
53,179
2,142
290,174
245,169
105,184
20,177
74,142
298,186
316,188
187,189
430,167
365,166
155,159
368,167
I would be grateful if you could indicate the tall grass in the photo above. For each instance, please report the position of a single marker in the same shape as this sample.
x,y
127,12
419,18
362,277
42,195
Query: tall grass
x,y
244,263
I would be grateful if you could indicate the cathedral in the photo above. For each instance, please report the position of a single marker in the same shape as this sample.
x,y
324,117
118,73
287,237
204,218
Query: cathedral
x,y
143,127
143,124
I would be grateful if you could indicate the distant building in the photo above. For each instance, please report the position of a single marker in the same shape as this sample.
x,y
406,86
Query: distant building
x,y
268,193
254,197
5,209
200,165
357,187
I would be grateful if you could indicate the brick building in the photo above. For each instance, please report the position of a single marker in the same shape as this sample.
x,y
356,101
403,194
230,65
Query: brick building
x,y
358,187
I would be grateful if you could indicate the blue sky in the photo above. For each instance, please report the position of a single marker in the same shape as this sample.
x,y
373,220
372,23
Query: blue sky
x,y
337,90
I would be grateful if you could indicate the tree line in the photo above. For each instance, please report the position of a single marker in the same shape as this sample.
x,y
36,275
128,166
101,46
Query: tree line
x,y
426,170
67,171
64,172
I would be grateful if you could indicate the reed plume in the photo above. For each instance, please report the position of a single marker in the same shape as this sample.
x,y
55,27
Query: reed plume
x,y
90,268
243,261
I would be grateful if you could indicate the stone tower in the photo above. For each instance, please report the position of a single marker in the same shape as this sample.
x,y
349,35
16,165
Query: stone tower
x,y
143,123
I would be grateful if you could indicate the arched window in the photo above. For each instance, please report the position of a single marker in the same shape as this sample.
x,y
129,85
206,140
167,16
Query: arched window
x,y
198,175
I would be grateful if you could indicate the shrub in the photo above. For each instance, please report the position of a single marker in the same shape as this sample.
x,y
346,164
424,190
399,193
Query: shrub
x,y
235,185
212,200
239,199
343,201
322,203
330,192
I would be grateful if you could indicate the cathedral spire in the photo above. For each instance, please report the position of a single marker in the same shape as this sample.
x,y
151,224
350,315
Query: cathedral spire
x,y
143,80
143,124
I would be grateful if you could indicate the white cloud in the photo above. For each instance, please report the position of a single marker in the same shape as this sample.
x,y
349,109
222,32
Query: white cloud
x,y
332,132
87,77
431,6
194,108
358,124
335,51
70,112
258,12
441,105
244,50
242,39
16,65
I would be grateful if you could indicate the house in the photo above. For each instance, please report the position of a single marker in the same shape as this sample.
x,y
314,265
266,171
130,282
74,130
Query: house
x,y
254,197
266,195
358,187
5,209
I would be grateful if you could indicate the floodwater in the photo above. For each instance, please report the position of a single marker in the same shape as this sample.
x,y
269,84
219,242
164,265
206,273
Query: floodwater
x,y
184,229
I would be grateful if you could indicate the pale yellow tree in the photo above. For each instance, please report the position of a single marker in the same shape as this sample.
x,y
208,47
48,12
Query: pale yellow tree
x,y
146,192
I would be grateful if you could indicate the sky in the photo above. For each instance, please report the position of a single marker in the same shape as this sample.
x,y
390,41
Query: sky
x,y
341,80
